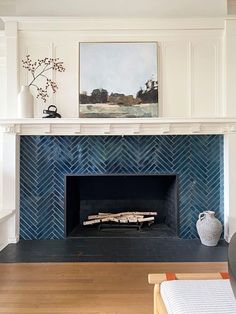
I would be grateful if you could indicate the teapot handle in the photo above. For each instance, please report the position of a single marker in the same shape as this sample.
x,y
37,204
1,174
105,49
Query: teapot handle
x,y
202,216
52,107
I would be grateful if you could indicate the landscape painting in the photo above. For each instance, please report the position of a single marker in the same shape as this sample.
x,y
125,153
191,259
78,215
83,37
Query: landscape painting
x,y
118,80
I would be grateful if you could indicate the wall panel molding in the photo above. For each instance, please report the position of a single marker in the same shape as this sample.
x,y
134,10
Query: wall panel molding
x,y
177,48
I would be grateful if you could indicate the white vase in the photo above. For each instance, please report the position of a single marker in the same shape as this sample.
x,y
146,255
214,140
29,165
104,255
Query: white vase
x,y
25,103
209,228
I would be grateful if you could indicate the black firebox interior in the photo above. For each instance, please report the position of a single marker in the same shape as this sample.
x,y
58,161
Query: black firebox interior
x,y
89,194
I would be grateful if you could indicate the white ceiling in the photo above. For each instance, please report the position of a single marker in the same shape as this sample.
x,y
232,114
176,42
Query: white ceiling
x,y
115,8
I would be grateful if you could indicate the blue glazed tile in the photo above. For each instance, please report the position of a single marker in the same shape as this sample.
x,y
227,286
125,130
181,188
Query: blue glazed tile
x,y
45,160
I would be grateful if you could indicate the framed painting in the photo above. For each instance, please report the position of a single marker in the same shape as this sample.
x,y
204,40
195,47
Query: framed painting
x,y
118,80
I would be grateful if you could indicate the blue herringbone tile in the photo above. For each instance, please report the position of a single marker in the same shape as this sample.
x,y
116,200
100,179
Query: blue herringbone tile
x,y
45,160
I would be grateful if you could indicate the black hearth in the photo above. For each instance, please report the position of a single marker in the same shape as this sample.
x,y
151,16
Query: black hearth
x,y
90,194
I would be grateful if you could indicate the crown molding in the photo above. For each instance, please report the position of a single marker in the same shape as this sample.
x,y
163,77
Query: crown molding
x,y
76,23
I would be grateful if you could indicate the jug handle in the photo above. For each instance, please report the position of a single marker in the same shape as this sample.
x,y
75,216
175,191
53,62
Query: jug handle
x,y
202,216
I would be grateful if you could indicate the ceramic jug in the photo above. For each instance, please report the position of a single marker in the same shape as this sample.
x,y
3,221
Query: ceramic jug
x,y
209,228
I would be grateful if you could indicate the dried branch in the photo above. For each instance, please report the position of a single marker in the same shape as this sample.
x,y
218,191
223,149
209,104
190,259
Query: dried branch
x,y
45,65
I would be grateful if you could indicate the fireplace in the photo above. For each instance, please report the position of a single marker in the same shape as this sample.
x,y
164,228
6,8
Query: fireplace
x,y
87,195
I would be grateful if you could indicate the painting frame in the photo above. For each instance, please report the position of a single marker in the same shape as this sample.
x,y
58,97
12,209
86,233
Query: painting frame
x,y
111,101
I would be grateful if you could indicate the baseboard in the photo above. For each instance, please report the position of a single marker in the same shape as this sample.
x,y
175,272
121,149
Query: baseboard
x,y
10,240
13,239
2,246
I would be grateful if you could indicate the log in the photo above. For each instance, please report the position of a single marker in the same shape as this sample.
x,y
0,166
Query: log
x,y
132,220
114,220
146,219
95,221
104,214
90,217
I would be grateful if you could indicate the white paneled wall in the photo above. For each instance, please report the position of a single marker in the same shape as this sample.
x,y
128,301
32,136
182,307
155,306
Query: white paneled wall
x,y
68,102
1,169
2,74
175,78
230,68
190,66
207,78
2,98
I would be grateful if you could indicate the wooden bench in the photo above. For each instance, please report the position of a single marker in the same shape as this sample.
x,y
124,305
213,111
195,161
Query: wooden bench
x,y
187,281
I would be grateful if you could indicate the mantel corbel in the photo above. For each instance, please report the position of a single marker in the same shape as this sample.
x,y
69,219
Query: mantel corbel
x,y
48,129
196,128
107,128
232,128
78,129
165,129
137,129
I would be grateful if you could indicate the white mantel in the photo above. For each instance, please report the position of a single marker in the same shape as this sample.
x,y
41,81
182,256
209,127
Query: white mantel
x,y
12,129
129,126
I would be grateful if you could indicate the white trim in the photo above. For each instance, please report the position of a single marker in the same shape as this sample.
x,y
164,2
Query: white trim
x,y
224,76
116,120
229,184
7,228
11,66
152,126
2,246
230,17
190,79
13,239
91,23
5,214
226,188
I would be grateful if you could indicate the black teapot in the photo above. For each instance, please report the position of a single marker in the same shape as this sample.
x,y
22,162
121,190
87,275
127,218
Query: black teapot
x,y
51,112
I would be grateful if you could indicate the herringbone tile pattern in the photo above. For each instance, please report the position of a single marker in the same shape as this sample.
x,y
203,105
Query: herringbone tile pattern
x,y
45,160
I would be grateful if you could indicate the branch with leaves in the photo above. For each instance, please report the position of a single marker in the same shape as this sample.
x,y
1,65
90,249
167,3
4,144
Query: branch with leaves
x,y
40,68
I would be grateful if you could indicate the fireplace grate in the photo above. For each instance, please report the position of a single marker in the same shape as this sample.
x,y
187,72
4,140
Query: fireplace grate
x,y
138,225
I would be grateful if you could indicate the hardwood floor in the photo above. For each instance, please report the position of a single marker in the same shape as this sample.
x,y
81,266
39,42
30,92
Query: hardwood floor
x,y
84,288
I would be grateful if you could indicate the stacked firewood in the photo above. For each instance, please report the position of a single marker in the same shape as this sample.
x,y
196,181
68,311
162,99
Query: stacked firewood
x,y
123,217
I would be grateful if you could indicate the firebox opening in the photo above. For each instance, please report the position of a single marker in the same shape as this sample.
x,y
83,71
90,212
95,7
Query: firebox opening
x,y
87,195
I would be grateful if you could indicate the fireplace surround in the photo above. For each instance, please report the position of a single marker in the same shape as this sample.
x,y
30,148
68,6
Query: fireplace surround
x,y
197,160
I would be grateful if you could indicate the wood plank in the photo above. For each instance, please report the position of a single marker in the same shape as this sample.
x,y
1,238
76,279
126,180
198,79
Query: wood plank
x,y
85,288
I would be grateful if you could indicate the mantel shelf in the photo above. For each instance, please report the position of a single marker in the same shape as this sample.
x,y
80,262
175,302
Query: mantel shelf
x,y
129,126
